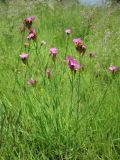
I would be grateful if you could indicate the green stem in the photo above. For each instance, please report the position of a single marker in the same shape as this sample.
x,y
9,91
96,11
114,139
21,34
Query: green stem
x,y
67,40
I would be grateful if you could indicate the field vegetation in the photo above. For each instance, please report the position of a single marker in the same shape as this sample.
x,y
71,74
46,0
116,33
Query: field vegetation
x,y
59,81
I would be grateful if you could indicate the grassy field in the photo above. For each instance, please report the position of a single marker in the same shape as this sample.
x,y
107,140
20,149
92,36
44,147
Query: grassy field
x,y
65,114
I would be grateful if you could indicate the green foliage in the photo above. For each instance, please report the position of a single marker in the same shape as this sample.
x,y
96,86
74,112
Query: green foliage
x,y
50,121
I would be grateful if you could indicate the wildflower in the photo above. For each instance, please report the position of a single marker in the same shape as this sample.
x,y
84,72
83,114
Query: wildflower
x,y
72,63
53,53
66,60
31,82
69,57
28,21
77,41
48,71
24,57
68,31
113,69
32,34
81,48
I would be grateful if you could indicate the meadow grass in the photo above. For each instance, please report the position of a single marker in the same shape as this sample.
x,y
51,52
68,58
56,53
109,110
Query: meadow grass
x,y
70,117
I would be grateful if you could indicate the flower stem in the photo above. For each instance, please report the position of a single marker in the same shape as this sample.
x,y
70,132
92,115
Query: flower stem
x,y
67,40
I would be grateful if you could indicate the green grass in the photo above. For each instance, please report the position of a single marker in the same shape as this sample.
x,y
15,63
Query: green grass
x,y
49,121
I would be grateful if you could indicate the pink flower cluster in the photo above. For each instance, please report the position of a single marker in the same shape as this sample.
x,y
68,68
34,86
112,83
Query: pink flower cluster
x,y
71,61
80,47
27,23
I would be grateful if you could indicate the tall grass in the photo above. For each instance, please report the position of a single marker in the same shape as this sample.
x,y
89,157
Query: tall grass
x,y
40,122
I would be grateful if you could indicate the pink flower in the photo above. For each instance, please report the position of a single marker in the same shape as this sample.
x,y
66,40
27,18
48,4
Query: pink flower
x,y
32,34
113,69
28,21
53,51
72,63
31,82
68,31
68,58
24,57
48,71
77,41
